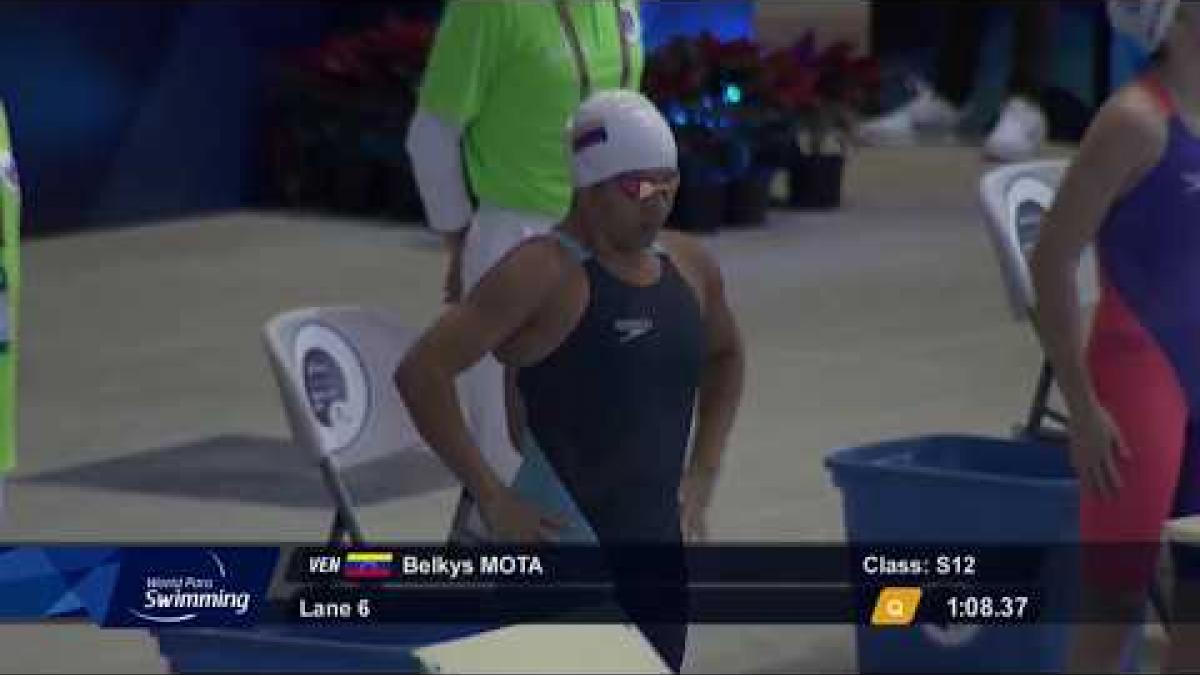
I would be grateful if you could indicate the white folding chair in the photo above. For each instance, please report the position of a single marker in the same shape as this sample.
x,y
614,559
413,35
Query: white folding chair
x,y
334,369
1015,198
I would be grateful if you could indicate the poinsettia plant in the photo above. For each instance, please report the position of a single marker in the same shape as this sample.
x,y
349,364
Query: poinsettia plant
x,y
770,100
704,86
676,74
818,93
381,57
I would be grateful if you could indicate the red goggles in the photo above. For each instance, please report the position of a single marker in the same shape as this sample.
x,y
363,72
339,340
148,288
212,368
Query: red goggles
x,y
644,189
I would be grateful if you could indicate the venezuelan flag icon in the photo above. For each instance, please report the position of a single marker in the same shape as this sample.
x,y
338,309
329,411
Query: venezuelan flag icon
x,y
367,565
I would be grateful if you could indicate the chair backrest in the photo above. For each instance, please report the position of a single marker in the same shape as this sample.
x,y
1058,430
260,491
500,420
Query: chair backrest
x,y
1015,199
334,367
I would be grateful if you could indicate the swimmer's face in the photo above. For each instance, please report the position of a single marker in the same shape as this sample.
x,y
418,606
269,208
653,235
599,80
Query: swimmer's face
x,y
638,204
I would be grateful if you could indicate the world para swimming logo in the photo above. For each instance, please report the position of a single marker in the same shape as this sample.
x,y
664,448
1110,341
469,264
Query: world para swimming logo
x,y
190,586
181,597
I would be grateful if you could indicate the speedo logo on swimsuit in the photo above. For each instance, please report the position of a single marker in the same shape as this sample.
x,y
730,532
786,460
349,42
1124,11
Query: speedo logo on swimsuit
x,y
632,329
1192,182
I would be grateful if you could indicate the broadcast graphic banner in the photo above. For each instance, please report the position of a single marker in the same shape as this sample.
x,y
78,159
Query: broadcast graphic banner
x,y
167,587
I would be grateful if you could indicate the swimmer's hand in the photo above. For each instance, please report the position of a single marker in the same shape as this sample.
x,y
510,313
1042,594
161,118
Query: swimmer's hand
x,y
695,495
513,520
1096,445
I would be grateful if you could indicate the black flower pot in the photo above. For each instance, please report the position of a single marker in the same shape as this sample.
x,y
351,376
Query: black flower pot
x,y
747,199
699,207
354,186
404,199
315,178
815,181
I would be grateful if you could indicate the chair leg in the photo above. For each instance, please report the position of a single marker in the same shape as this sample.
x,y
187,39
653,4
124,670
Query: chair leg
x,y
334,538
461,533
338,530
345,522
1159,602
1039,407
1055,416
1040,412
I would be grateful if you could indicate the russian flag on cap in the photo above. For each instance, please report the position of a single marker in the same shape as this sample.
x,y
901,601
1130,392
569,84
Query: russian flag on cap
x,y
591,137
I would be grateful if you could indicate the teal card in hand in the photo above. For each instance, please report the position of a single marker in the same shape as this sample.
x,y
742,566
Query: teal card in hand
x,y
537,481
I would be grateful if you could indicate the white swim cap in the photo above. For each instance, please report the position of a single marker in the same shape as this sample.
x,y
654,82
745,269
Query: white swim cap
x,y
1146,22
617,131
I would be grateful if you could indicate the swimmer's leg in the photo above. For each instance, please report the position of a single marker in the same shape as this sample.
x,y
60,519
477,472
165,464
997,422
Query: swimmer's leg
x,y
1139,388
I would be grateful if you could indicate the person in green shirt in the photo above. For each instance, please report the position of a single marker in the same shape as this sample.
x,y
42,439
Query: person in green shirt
x,y
10,223
502,82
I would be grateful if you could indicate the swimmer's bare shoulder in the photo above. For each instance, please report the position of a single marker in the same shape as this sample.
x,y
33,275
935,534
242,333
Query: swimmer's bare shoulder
x,y
1127,137
508,296
521,282
1125,141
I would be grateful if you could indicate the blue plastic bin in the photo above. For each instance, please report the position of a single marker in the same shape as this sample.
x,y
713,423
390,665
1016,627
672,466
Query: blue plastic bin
x,y
967,490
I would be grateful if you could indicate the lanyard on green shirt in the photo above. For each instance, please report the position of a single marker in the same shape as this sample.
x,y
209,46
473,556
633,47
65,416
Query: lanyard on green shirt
x,y
10,235
585,80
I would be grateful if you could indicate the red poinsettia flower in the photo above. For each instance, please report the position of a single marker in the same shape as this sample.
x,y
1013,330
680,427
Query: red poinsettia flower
x,y
837,55
676,71
342,58
788,85
800,92
710,49
396,49
741,54
804,51
866,71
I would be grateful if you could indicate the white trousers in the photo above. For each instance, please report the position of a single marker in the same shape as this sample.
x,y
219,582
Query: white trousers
x,y
494,232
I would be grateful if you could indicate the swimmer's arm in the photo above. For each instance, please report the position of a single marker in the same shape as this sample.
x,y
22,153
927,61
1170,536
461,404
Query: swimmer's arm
x,y
1126,139
504,300
722,379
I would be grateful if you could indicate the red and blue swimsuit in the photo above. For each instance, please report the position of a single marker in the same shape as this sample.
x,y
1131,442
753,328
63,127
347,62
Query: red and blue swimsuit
x,y
1144,348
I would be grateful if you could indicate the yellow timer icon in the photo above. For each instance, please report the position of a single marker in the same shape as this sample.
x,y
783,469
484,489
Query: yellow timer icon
x,y
896,606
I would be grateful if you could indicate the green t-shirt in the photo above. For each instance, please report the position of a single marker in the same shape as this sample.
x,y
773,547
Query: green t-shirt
x,y
10,276
505,71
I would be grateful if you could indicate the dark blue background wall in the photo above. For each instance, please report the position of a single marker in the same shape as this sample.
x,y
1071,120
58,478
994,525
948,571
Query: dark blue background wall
x,y
132,110
125,111
728,19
